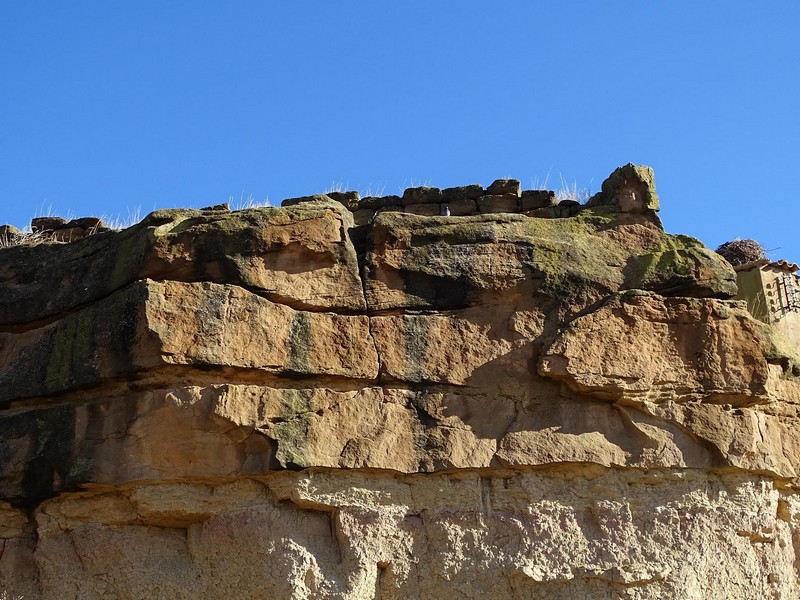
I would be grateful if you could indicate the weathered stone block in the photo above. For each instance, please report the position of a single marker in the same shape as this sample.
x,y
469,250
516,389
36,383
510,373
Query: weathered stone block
x,y
349,199
40,224
150,325
464,192
427,210
656,349
376,202
460,208
304,199
631,188
503,187
223,207
89,223
422,195
363,216
532,199
587,256
569,208
548,212
498,204
563,210
9,235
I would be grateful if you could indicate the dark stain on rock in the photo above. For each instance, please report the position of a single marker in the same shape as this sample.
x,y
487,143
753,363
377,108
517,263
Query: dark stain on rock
x,y
45,470
415,339
299,343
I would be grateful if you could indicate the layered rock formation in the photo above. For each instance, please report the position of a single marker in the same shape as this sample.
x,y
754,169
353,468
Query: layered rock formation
x,y
281,403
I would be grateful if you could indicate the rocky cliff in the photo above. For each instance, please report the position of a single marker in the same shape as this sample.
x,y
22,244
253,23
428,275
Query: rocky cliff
x,y
351,398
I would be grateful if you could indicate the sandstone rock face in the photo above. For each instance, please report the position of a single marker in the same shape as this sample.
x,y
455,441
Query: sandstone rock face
x,y
297,256
288,403
656,348
582,532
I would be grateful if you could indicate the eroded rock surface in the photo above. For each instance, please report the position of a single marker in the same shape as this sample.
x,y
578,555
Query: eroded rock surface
x,y
657,348
307,402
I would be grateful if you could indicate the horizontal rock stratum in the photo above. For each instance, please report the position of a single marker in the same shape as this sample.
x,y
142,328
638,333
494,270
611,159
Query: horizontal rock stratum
x,y
363,399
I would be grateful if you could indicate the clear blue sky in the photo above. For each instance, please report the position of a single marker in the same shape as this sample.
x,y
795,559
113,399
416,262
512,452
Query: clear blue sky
x,y
107,107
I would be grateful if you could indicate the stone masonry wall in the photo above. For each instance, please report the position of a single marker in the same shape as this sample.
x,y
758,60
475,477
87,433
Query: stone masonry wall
x,y
502,196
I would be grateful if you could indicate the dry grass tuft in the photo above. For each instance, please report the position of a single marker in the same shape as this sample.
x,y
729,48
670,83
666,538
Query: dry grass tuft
x,y
26,238
119,222
245,203
565,191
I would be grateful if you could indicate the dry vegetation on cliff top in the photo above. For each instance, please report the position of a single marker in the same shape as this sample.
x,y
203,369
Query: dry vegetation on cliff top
x,y
11,236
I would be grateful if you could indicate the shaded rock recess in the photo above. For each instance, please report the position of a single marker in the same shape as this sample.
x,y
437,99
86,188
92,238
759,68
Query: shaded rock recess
x,y
456,393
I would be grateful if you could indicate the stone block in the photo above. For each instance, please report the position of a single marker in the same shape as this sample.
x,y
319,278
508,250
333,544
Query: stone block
x,y
349,199
9,235
462,208
462,192
94,224
224,207
503,187
569,208
363,216
151,324
631,188
376,202
547,212
538,199
498,204
422,195
563,210
303,199
47,224
426,210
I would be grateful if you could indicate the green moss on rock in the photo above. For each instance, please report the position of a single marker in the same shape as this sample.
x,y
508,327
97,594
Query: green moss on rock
x,y
300,341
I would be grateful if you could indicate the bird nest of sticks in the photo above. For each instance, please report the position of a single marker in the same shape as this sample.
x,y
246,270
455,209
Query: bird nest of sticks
x,y
740,252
